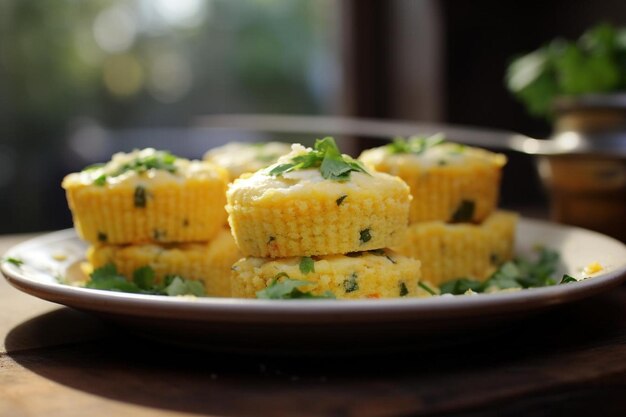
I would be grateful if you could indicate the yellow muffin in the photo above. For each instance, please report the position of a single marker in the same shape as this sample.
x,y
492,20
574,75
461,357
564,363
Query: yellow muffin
x,y
145,196
375,274
240,158
448,181
281,213
208,262
451,251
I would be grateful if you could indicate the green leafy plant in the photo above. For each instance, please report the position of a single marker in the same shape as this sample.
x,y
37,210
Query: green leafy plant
x,y
595,63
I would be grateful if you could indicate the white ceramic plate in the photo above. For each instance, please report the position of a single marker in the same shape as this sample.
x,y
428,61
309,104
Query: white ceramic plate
x,y
319,325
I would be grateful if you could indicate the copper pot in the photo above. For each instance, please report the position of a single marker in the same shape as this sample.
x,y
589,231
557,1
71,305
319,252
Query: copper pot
x,y
587,185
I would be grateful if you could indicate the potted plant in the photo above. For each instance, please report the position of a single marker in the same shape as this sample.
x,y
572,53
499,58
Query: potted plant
x,y
581,87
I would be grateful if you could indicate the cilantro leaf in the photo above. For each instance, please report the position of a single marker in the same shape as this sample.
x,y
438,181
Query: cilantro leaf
x,y
307,265
15,261
144,277
143,282
567,279
415,144
518,273
288,288
181,286
325,156
107,278
426,288
158,160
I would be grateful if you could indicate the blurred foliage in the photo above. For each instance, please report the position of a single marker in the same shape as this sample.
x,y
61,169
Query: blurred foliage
x,y
127,64
596,63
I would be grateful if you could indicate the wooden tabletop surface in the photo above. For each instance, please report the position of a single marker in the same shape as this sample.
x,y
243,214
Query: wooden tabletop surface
x,y
59,362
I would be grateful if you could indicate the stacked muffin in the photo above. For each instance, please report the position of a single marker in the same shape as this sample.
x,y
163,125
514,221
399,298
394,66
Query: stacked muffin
x,y
150,208
319,219
239,158
454,228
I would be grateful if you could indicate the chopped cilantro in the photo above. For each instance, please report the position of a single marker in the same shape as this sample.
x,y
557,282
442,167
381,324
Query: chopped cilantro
x,y
284,288
140,197
325,156
307,265
519,273
102,237
460,286
365,236
144,277
340,199
404,291
15,261
426,288
464,212
415,144
101,180
159,160
143,282
567,279
179,286
351,284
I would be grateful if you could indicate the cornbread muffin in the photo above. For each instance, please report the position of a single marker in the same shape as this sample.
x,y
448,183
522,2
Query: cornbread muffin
x,y
147,196
452,251
208,262
240,158
375,274
449,182
285,210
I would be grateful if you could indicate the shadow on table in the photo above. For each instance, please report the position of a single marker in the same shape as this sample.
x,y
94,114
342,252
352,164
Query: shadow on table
x,y
551,358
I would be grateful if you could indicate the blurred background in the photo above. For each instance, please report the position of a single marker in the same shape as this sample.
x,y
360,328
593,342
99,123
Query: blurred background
x,y
82,79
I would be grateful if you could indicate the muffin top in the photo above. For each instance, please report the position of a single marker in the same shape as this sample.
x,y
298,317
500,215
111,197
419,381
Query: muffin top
x,y
429,152
239,158
141,165
307,173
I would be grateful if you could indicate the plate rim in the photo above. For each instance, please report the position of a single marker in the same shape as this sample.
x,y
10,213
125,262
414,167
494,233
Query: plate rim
x,y
238,310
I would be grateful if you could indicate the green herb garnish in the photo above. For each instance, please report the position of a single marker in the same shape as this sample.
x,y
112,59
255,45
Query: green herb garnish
x,y
426,288
160,160
340,199
403,289
464,212
140,197
325,156
567,279
519,273
381,252
351,284
14,261
102,237
284,288
365,236
307,265
143,282
415,144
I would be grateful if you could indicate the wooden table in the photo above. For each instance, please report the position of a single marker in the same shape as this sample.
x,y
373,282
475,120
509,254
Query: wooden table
x,y
59,362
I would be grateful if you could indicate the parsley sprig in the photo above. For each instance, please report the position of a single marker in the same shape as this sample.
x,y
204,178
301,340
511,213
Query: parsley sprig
x,y
519,273
415,144
284,288
325,156
158,160
143,282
